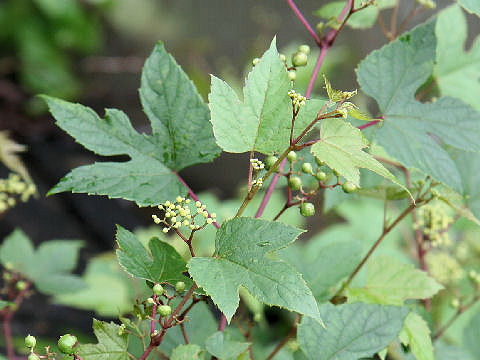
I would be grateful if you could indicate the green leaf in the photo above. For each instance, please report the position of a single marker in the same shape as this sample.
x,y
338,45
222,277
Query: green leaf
x,y
449,352
187,352
109,291
391,76
161,264
48,267
242,245
222,348
391,282
351,331
469,167
144,179
416,333
177,113
4,304
472,6
340,147
262,121
457,201
361,20
111,345
456,72
471,335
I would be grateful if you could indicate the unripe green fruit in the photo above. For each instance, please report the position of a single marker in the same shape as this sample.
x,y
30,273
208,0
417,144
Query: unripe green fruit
x,y
255,61
164,310
150,301
321,176
270,161
307,168
21,285
304,49
292,156
292,75
158,289
33,356
66,343
319,162
307,209
283,58
180,286
299,59
295,183
30,341
349,187
455,303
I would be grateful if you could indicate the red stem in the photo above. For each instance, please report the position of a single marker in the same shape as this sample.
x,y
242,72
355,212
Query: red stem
x,y
154,312
270,189
304,21
370,123
316,70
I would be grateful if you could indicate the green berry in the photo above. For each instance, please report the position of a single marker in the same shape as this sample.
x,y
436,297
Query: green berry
x,y
270,161
255,61
307,209
455,303
321,176
158,289
295,183
33,356
164,310
21,285
292,156
299,59
349,187
292,75
66,343
304,49
307,168
180,286
283,58
320,27
30,341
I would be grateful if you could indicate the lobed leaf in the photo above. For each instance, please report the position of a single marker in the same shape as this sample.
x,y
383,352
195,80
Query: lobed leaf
x,y
111,345
242,245
222,348
187,352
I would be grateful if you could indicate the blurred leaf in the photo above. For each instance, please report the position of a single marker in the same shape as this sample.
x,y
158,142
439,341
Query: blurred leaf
x,y
222,348
351,331
48,267
416,334
471,335
161,264
449,352
242,245
471,6
111,345
8,155
187,352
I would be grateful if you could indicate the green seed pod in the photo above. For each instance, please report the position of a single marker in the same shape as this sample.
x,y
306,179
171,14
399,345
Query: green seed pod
x,y
292,75
158,289
30,341
295,183
349,187
66,344
307,168
292,156
270,161
180,286
299,59
307,209
321,176
304,49
164,310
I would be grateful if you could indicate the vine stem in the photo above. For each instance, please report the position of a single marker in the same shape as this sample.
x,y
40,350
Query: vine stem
x,y
154,313
304,21
270,190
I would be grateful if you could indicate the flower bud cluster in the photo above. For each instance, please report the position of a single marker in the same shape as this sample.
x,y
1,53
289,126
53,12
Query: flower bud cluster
x,y
434,222
297,99
444,267
12,187
178,214
257,164
257,183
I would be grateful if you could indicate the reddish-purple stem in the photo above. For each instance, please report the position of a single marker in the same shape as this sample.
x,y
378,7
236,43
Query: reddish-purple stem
x,y
304,21
318,65
370,123
154,312
270,189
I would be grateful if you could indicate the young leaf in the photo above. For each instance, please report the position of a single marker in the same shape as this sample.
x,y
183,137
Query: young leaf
x,y
351,331
181,137
111,345
391,76
222,348
242,245
48,267
391,282
340,147
177,113
472,6
416,333
456,72
187,352
262,121
161,264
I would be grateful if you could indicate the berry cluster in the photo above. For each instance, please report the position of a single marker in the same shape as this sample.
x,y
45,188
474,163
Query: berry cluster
x,y
12,187
178,214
